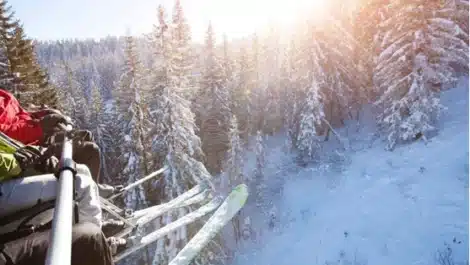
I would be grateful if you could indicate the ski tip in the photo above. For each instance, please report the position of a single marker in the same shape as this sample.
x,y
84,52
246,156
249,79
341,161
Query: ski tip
x,y
240,190
243,188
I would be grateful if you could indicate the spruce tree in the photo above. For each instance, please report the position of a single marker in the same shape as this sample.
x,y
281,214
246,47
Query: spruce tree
x,y
270,82
33,84
254,82
311,119
241,95
234,164
289,94
259,180
134,120
181,63
213,108
7,23
158,80
227,62
419,48
177,134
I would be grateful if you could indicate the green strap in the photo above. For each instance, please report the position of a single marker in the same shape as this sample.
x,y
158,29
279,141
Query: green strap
x,y
9,167
8,144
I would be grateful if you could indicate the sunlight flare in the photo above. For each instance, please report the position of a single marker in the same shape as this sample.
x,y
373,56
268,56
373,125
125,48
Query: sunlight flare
x,y
242,17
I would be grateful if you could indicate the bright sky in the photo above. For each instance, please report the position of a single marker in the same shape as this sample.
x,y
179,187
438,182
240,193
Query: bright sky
x,y
57,19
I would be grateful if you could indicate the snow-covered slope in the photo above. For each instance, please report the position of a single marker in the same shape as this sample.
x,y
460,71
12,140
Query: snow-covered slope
x,y
409,206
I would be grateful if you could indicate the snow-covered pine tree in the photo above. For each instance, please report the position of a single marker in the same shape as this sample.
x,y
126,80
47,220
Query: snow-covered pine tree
x,y
233,170
33,86
158,80
451,16
182,146
101,122
258,93
7,25
182,60
241,95
72,95
343,94
130,99
234,164
419,47
311,118
178,134
6,78
213,108
366,20
130,95
288,91
309,78
270,81
227,62
259,176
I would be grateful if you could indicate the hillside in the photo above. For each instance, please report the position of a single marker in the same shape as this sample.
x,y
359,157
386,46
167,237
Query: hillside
x,y
409,206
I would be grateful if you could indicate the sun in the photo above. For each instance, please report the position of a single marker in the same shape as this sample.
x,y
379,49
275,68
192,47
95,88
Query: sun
x,y
242,17
288,12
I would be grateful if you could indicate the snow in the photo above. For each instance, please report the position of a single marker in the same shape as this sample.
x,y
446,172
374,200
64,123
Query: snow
x,y
381,207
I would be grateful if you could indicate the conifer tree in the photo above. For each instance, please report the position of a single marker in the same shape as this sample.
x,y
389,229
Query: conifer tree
x,y
7,23
234,162
259,176
289,94
177,133
241,95
419,47
29,82
227,62
72,96
254,82
134,120
311,119
270,83
213,108
158,80
33,80
181,62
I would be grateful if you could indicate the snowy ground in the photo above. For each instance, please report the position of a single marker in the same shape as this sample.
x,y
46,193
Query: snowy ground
x,y
382,208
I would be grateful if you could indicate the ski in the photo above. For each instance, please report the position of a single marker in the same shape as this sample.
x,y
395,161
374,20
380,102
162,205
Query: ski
x,y
155,210
187,219
232,204
145,216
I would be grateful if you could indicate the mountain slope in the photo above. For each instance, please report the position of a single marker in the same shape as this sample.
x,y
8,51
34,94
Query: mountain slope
x,y
409,206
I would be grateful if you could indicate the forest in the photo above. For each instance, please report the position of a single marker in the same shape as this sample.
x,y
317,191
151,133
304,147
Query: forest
x,y
161,99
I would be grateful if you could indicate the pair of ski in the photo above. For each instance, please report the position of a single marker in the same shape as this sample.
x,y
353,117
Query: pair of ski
x,y
225,210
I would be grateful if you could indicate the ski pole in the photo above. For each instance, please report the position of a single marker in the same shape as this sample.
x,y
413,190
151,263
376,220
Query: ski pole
x,y
137,183
59,251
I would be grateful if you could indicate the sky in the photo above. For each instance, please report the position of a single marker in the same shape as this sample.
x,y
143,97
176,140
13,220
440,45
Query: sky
x,y
59,19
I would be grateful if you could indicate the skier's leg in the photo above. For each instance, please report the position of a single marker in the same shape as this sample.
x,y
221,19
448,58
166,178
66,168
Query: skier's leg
x,y
88,247
87,153
24,193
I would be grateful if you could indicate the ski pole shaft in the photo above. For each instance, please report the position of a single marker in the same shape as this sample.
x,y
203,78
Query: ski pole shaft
x,y
60,248
137,183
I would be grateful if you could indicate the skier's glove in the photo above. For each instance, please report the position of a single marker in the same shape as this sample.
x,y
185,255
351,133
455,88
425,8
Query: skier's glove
x,y
27,156
75,135
52,124
37,158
